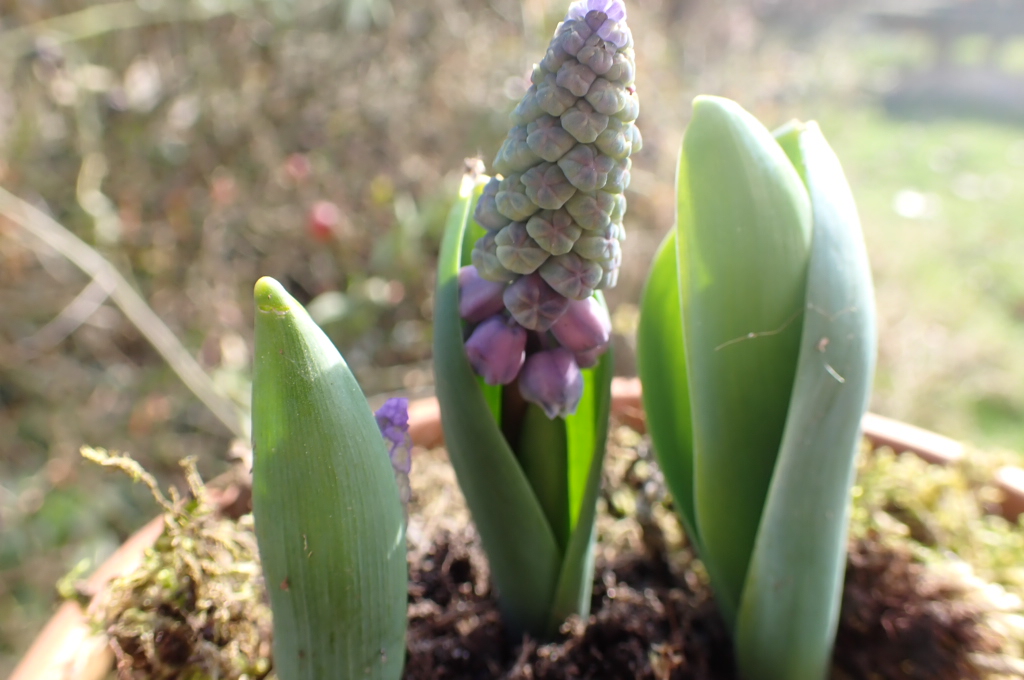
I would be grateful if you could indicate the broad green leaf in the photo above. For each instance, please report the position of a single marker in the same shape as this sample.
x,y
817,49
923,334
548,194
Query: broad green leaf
x,y
661,363
521,547
743,241
328,516
790,608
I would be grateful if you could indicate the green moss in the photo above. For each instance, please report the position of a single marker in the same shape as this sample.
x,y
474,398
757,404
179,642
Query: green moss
x,y
196,606
946,517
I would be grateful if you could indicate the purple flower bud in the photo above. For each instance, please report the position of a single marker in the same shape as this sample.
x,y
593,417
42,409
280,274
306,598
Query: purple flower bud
x,y
584,326
497,349
590,358
485,259
622,69
618,178
630,106
552,380
515,155
554,230
575,77
512,201
612,9
607,97
548,139
517,251
487,215
546,184
552,98
533,303
478,297
597,54
607,17
586,169
573,35
570,275
617,33
528,108
393,421
583,122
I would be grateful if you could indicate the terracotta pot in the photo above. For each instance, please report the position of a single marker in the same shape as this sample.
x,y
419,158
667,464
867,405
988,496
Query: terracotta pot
x,y
66,649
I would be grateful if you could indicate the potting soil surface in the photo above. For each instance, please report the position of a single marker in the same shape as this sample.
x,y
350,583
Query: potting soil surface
x,y
653,614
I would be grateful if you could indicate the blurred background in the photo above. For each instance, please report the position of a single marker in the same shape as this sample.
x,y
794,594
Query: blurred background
x,y
198,144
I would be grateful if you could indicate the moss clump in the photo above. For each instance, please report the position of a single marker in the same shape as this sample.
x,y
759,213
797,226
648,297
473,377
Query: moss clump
x,y
196,606
965,560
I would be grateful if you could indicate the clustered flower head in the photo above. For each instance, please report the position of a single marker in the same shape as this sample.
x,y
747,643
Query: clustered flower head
x,y
553,214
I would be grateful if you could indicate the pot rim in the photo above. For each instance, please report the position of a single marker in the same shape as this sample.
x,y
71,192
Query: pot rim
x,y
66,648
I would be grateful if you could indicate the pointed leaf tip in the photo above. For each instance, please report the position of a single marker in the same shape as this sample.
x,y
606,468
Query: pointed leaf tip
x,y
271,296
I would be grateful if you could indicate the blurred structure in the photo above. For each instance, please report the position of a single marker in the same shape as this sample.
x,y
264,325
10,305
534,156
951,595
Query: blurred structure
x,y
949,85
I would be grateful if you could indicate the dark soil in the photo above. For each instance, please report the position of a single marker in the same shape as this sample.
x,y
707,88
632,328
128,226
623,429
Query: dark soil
x,y
647,624
653,614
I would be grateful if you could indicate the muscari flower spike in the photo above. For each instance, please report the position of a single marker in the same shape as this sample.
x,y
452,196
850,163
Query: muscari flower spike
x,y
553,211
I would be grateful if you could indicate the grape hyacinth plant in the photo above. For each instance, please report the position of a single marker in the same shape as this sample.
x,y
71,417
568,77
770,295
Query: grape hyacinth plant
x,y
522,331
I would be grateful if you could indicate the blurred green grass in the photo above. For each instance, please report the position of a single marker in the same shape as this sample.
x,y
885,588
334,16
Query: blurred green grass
x,y
942,206
206,145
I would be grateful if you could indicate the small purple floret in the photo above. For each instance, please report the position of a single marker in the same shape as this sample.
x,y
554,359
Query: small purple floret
x,y
584,326
613,9
497,349
393,421
478,297
613,29
552,380
533,303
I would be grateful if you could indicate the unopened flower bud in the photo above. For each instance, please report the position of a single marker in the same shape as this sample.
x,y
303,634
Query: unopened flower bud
x,y
554,230
585,325
571,275
496,350
618,177
485,259
552,380
478,297
585,168
515,155
548,139
487,215
533,303
393,421
517,251
512,201
590,358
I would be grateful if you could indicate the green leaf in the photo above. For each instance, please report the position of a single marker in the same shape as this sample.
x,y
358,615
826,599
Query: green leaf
x,y
541,451
743,240
661,364
524,556
587,434
790,608
329,521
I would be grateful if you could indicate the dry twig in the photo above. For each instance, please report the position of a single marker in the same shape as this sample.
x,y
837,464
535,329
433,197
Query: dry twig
x,y
53,234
